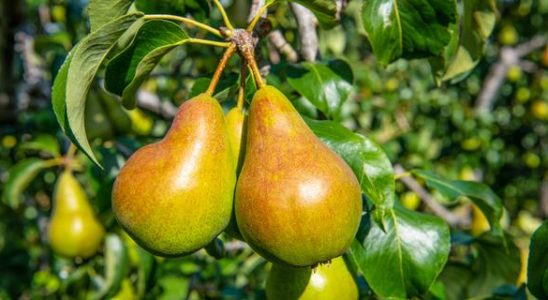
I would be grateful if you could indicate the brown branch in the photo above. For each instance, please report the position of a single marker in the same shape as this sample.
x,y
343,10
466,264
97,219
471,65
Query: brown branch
x,y
428,199
277,39
255,5
497,73
151,102
307,31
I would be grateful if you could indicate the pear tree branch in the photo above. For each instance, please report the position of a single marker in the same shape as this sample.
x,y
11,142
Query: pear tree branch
x,y
307,31
428,199
497,73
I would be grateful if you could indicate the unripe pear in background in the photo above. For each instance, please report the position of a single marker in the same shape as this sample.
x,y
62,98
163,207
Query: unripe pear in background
x,y
297,202
175,196
330,281
73,230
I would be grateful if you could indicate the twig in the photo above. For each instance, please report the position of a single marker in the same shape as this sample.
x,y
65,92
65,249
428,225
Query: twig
x,y
186,21
151,102
277,39
255,6
434,205
497,73
223,14
222,65
307,31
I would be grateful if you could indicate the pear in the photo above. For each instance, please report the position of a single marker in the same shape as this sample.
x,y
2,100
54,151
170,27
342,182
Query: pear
x,y
235,123
73,230
297,202
175,196
331,281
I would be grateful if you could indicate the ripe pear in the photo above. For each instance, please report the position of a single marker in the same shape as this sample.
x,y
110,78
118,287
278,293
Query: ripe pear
x,y
175,196
235,122
297,202
73,230
331,281
236,125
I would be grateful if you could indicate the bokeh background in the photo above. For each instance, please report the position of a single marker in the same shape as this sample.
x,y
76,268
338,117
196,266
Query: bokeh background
x,y
461,130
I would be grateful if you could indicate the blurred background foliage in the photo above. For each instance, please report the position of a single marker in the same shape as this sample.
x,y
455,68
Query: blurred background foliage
x,y
419,125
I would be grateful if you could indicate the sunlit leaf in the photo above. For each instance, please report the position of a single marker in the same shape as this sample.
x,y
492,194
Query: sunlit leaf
x,y
20,176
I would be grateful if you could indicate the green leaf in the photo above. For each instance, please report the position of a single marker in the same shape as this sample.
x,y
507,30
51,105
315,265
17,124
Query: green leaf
x,y
324,10
325,86
368,161
497,263
58,93
42,143
103,11
408,29
403,260
129,69
537,265
85,63
197,8
20,176
479,193
116,265
477,25
456,277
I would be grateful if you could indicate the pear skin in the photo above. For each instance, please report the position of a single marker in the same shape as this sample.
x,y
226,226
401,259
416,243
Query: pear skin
x,y
236,125
175,196
330,281
297,202
73,230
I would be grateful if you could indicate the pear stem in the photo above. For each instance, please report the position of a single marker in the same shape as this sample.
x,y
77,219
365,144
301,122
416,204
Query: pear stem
x,y
246,47
257,17
220,67
255,70
241,91
208,42
186,21
69,157
223,14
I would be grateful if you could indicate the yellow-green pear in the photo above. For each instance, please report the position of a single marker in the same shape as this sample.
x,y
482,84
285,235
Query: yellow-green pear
x,y
175,196
74,230
330,281
236,125
297,202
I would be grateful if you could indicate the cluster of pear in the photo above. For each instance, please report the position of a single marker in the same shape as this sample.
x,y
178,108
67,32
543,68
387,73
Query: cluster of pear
x,y
264,178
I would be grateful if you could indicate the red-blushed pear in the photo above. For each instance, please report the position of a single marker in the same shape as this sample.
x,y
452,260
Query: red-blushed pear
x,y
175,196
297,202
73,230
331,281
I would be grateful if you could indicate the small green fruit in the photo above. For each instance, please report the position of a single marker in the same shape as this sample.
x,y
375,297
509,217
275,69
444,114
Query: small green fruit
x,y
73,230
330,281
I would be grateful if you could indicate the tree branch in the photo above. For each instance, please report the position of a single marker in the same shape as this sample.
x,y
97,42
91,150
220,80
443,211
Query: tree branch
x,y
277,39
307,31
497,73
432,203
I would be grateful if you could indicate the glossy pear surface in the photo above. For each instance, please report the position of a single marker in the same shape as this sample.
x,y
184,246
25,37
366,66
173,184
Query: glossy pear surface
x,y
236,125
331,281
73,230
297,202
175,196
